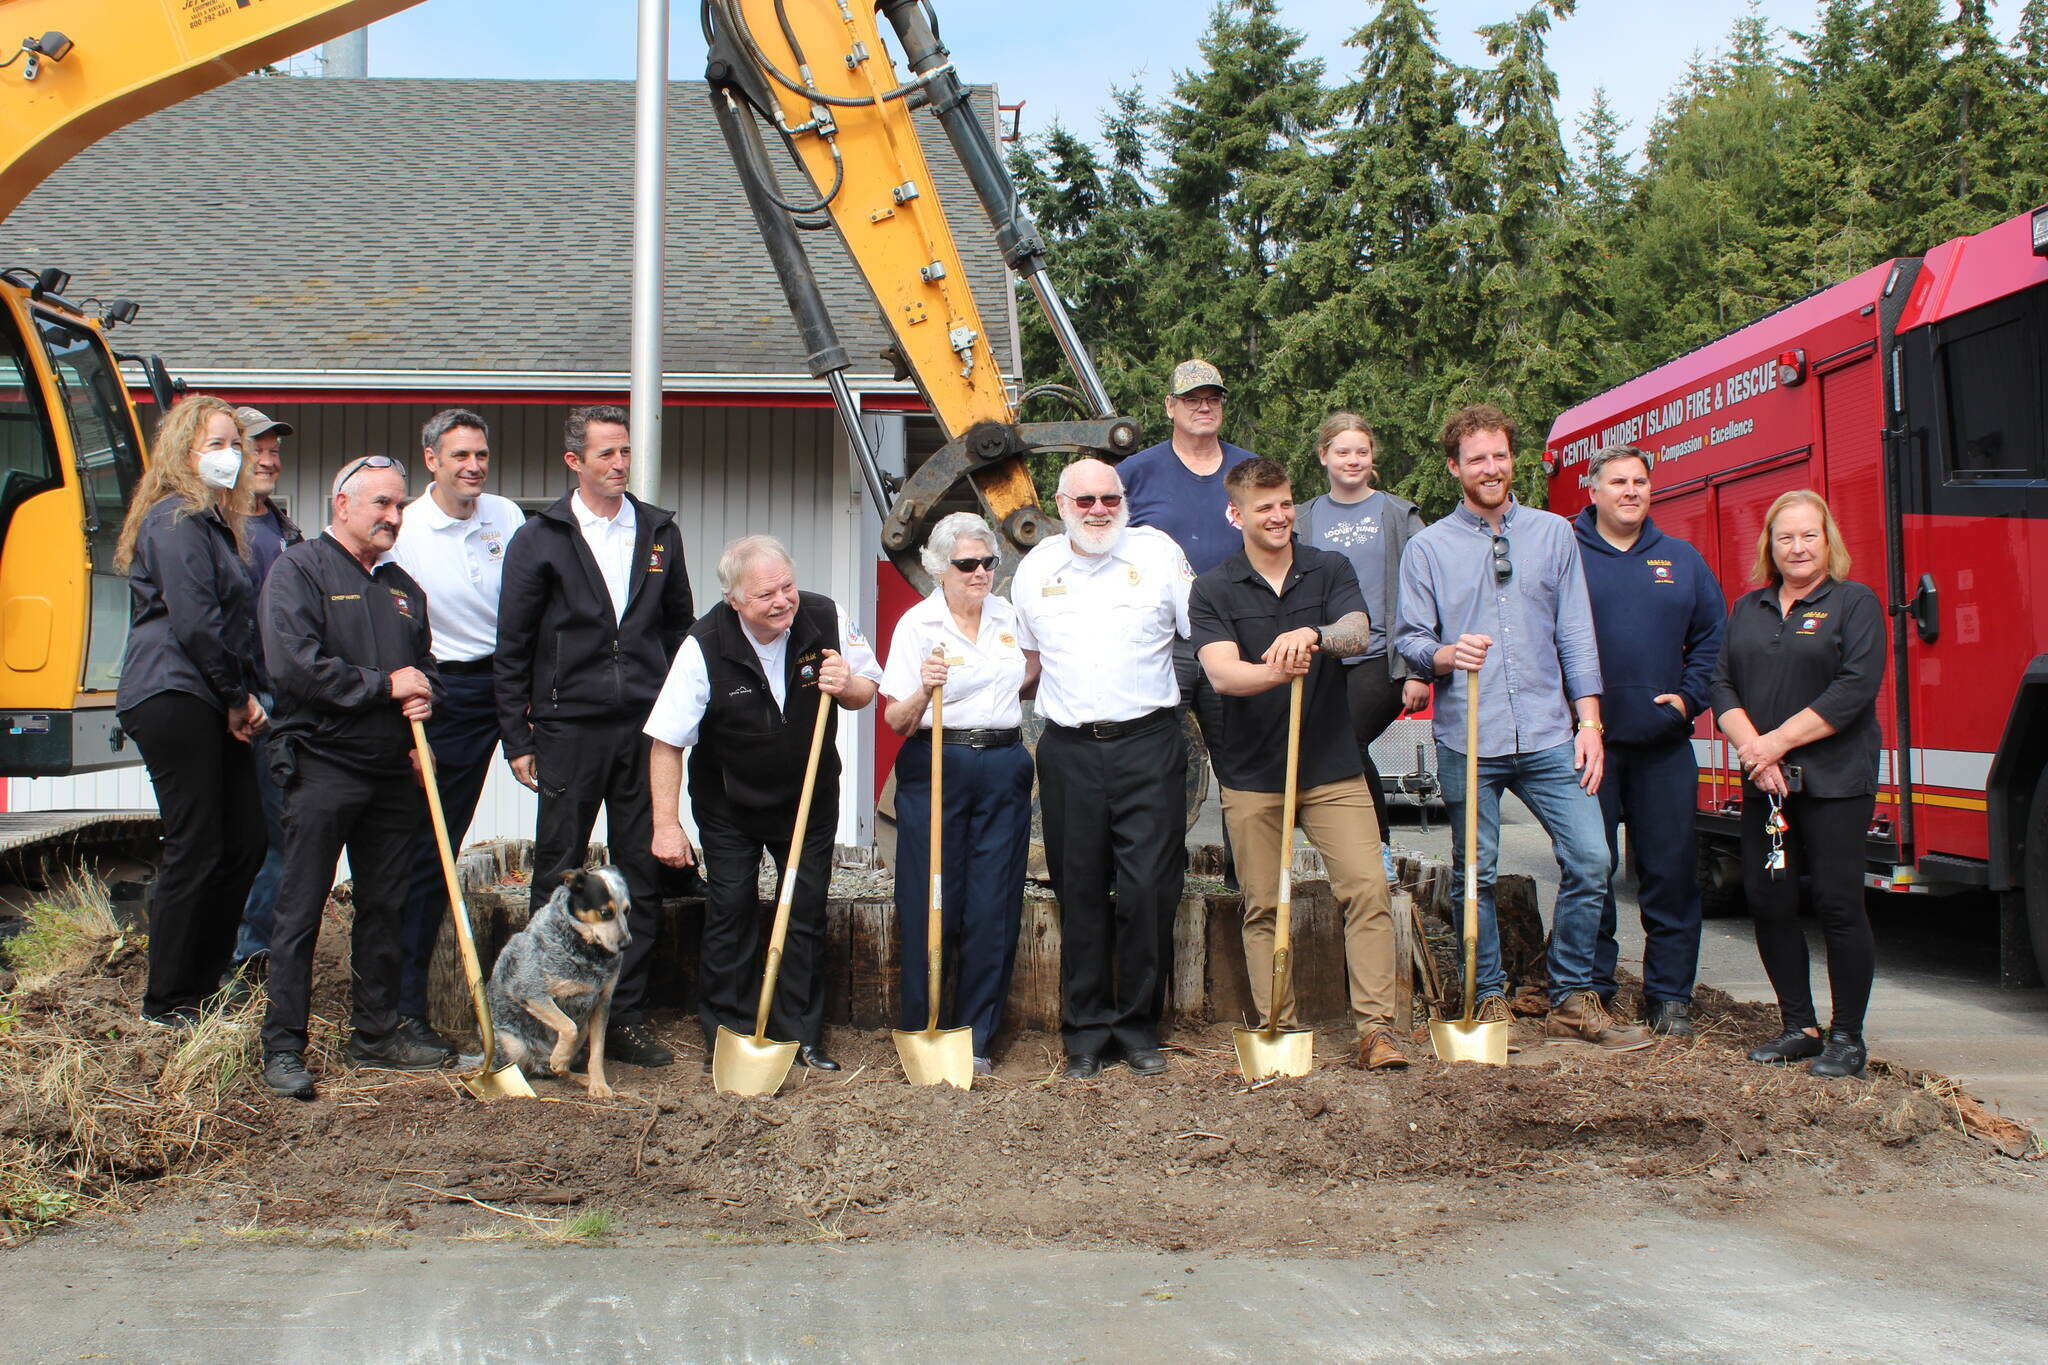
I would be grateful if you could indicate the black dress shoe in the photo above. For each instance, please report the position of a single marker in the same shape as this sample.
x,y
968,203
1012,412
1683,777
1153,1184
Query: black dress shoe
x,y
420,1031
1793,1045
1844,1055
1145,1061
635,1045
395,1051
813,1056
1672,1018
285,1074
1082,1067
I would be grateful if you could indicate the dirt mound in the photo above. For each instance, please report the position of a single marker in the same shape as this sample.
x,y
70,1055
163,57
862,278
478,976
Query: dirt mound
x,y
1336,1161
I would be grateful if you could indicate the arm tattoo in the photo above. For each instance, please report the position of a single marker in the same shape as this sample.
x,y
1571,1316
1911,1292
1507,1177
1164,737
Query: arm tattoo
x,y
1348,635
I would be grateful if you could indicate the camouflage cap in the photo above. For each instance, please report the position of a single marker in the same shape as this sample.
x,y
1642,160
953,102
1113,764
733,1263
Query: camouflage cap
x,y
1195,374
257,423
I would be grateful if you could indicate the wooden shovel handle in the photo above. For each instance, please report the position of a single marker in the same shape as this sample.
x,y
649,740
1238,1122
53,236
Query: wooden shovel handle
x,y
465,937
787,893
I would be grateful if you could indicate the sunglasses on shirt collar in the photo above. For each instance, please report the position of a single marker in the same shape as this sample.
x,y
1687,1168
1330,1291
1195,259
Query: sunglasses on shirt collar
x,y
1503,567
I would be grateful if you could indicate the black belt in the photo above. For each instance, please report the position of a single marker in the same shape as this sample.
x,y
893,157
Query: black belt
x,y
1119,729
487,664
983,739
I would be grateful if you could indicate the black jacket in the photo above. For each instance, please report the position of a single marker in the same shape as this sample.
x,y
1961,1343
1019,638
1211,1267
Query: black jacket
x,y
333,635
563,654
192,611
750,753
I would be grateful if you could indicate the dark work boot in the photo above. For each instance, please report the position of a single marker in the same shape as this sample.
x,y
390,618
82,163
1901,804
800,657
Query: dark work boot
x,y
1793,1045
1672,1018
285,1074
635,1045
395,1051
1844,1055
420,1031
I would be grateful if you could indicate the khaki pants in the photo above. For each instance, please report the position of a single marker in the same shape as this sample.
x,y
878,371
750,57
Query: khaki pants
x,y
1338,820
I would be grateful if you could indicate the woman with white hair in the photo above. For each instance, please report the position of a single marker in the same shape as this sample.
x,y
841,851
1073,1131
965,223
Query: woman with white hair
x,y
962,638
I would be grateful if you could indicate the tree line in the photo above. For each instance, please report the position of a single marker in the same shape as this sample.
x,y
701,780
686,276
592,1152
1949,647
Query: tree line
x,y
1422,234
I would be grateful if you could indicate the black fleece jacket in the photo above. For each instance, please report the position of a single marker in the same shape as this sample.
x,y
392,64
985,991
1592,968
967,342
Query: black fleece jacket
x,y
563,653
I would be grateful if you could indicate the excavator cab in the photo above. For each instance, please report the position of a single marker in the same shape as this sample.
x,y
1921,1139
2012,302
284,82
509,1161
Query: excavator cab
x,y
71,455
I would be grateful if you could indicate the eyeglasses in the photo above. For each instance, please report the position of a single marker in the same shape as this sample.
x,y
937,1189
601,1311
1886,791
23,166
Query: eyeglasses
x,y
1503,567
1084,501
1208,400
370,462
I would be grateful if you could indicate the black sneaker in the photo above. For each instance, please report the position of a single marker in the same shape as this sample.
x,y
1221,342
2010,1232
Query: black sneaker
x,y
1672,1018
417,1029
285,1073
395,1052
1844,1055
635,1045
180,1019
1793,1045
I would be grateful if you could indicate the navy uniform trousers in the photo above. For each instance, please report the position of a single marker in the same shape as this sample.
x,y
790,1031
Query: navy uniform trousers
x,y
987,834
1653,788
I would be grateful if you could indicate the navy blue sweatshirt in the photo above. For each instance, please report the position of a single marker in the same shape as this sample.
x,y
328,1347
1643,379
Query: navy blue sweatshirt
x,y
1658,616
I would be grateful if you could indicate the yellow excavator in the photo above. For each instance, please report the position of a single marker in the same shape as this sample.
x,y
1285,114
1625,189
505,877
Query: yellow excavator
x,y
803,85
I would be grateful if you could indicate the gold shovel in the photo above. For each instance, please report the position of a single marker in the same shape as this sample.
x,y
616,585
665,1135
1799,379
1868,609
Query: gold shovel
x,y
936,1056
1466,1039
492,1081
755,1066
1272,1050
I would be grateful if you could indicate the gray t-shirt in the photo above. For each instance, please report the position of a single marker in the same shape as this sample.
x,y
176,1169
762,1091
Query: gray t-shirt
x,y
1354,530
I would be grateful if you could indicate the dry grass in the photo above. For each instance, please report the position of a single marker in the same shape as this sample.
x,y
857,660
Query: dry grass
x,y
69,928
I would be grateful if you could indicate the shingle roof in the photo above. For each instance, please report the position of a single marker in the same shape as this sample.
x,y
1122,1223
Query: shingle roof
x,y
440,225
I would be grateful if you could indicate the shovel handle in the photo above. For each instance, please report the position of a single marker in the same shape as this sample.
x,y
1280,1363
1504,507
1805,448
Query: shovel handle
x,y
787,893
1283,914
934,958
472,966
1471,925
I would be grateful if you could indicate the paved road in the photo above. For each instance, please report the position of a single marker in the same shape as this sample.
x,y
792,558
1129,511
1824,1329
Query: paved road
x,y
1840,1280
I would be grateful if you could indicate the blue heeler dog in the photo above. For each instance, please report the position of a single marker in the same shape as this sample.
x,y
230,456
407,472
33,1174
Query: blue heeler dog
x,y
551,990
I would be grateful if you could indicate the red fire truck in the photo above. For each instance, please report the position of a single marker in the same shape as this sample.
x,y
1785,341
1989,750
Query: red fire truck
x,y
1914,397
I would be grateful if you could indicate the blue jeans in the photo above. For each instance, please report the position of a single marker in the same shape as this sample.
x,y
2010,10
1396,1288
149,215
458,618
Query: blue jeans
x,y
1570,815
260,909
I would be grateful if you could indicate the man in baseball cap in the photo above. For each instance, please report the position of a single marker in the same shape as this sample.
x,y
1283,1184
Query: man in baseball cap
x,y
270,531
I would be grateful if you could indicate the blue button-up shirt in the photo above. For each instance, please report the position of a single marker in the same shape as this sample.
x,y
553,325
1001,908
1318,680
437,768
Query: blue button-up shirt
x,y
1544,653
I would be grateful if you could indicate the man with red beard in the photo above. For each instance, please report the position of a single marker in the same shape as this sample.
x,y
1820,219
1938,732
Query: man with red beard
x,y
1099,610
1496,588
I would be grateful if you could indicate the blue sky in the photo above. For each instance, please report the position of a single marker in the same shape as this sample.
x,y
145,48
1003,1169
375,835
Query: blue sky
x,y
1064,61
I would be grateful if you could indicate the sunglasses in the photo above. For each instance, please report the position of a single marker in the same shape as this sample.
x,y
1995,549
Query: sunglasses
x,y
971,563
1503,567
370,462
1085,501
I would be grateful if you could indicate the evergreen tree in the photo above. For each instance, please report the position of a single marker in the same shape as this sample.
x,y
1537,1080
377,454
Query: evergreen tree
x,y
1605,178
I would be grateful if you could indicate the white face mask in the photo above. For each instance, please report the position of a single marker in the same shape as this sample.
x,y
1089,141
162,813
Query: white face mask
x,y
220,468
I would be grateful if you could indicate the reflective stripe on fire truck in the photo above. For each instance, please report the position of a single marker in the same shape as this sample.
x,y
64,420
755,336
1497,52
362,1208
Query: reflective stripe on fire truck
x,y
1959,770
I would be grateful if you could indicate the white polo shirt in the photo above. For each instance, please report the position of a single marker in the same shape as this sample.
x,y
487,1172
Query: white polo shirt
x,y
611,544
686,693
984,673
461,564
1104,625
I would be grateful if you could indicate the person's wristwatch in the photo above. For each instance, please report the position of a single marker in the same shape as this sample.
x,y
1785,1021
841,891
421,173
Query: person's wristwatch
x,y
1592,725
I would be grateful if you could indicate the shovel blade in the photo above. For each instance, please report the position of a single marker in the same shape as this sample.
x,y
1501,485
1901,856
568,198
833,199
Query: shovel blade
x,y
1468,1040
1263,1052
937,1056
741,1066
507,1082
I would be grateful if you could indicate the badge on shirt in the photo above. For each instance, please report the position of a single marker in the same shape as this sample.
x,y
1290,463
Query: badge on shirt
x,y
1007,640
807,668
954,660
853,635
655,556
1660,570
1053,589
494,547
1136,577
1812,621
402,602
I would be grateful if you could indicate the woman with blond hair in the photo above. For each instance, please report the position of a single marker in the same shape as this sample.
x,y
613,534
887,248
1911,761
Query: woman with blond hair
x,y
188,677
1795,692
1370,527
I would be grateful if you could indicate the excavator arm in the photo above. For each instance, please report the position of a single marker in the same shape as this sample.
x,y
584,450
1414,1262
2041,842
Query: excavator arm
x,y
814,79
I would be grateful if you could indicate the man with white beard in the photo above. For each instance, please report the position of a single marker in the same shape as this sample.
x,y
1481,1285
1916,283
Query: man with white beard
x,y
1099,609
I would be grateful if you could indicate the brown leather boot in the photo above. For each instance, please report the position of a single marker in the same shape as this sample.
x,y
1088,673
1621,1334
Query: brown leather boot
x,y
1583,1019
1377,1051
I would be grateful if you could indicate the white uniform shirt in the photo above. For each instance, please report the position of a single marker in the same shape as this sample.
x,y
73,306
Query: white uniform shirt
x,y
1104,625
686,693
611,543
985,673
461,564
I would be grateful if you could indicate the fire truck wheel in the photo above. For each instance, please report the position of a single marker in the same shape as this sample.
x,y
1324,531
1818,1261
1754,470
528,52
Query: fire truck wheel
x,y
1720,878
2034,871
